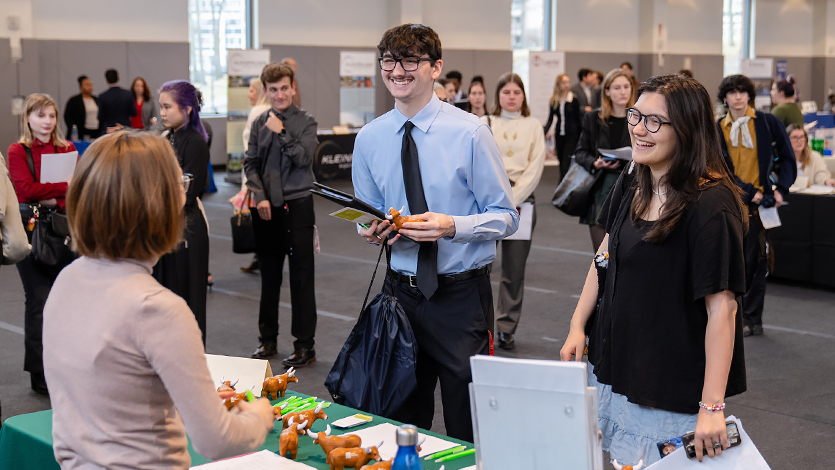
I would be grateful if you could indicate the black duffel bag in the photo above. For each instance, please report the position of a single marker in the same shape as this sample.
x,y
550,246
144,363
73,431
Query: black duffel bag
x,y
573,194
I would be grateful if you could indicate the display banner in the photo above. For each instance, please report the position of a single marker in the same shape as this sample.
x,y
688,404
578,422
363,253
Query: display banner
x,y
242,66
760,71
357,74
543,68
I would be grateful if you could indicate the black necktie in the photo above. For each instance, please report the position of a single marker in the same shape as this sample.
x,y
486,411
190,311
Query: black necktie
x,y
427,265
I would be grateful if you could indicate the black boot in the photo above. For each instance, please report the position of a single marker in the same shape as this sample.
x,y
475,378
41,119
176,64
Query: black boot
x,y
265,350
300,358
506,341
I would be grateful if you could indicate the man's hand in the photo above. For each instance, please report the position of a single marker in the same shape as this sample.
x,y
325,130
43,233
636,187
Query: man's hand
x,y
264,210
432,227
274,123
589,109
778,199
379,231
116,128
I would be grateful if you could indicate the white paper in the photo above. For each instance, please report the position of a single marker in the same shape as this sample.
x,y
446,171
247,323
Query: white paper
x,y
769,217
350,422
264,460
818,189
354,215
744,457
387,432
525,223
250,373
58,167
623,153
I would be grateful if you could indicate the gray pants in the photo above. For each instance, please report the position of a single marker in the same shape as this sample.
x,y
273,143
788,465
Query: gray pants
x,y
512,287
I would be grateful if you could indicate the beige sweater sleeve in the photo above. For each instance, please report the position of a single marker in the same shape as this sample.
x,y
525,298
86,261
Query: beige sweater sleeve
x,y
526,183
169,337
816,170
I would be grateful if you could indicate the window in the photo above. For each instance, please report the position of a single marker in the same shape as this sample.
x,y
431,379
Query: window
x,y
737,33
214,26
527,27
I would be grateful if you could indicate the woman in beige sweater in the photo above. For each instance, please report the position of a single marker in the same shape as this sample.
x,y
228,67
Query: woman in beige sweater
x,y
809,162
521,141
124,355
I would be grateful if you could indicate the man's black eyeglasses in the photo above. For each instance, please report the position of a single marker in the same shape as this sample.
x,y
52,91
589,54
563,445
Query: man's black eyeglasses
x,y
409,64
652,122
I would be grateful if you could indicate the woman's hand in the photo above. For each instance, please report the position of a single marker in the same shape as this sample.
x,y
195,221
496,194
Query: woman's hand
x,y
264,210
600,163
757,197
379,231
778,199
829,182
574,345
261,406
710,430
48,202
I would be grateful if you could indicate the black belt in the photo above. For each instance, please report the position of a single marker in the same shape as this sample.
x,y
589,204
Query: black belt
x,y
443,279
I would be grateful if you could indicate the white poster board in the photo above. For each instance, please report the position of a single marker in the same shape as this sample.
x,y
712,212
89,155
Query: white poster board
x,y
756,68
543,68
357,74
250,373
242,66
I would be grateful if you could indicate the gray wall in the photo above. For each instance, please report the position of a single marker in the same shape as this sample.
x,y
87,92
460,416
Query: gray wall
x,y
319,75
52,66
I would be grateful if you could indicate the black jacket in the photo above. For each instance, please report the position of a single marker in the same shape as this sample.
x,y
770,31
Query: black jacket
x,y
279,167
765,156
116,106
192,153
573,116
75,114
594,136
577,89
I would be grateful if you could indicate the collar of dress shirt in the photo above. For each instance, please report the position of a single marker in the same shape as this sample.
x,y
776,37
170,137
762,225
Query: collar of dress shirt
x,y
423,120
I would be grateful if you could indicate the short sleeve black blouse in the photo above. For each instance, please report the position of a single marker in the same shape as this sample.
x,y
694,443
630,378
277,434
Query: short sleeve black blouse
x,y
648,339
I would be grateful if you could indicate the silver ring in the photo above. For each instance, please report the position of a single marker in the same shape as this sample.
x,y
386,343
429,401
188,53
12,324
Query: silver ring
x,y
717,445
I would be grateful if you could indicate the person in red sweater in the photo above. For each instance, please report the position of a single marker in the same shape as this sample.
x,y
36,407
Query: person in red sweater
x,y
42,136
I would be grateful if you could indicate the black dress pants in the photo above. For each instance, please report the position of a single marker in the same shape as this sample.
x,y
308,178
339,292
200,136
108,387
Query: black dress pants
x,y
290,233
756,269
37,281
455,324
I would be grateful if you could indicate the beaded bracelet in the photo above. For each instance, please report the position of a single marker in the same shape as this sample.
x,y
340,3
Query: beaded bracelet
x,y
712,407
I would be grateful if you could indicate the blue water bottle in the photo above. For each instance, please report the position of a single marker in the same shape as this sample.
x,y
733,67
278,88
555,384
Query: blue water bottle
x,y
407,456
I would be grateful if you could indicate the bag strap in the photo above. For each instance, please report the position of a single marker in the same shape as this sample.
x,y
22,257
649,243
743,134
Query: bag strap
x,y
362,315
31,161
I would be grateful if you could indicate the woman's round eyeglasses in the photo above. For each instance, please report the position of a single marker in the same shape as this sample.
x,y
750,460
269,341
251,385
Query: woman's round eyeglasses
x,y
409,64
186,180
652,122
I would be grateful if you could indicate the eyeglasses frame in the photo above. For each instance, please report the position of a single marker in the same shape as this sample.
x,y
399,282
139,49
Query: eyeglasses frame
x,y
645,117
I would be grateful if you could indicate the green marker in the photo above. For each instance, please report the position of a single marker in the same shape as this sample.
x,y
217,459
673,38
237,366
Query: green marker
x,y
250,396
456,455
365,226
445,452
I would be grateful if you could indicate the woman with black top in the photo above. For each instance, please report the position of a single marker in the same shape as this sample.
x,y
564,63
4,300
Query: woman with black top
x,y
476,99
566,108
665,343
186,270
604,128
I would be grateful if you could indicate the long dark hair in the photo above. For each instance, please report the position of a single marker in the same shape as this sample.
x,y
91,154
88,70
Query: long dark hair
x,y
185,94
696,163
504,80
146,93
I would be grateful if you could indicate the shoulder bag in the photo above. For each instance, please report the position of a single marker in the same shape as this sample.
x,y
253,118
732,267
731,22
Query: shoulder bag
x,y
573,195
51,239
243,235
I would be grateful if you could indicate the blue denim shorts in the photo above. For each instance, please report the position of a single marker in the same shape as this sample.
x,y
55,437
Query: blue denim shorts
x,y
632,432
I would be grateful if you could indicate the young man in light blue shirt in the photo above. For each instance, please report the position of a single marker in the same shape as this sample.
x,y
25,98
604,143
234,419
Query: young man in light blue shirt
x,y
442,164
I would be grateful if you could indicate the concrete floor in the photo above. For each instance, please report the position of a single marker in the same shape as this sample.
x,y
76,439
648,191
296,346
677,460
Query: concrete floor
x,y
788,411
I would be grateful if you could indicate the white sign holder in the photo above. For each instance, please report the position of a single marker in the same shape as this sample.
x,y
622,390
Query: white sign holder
x,y
534,415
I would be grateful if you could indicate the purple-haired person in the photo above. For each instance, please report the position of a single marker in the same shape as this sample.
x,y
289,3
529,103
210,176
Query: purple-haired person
x,y
186,270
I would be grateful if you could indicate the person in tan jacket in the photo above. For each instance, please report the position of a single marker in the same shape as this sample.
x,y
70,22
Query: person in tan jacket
x,y
809,162
14,245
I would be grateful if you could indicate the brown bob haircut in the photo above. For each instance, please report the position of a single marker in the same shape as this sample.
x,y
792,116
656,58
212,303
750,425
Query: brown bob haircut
x,y
274,72
125,198
504,80
411,40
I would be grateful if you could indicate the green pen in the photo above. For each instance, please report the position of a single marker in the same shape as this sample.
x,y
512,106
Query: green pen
x,y
456,455
250,396
365,226
444,453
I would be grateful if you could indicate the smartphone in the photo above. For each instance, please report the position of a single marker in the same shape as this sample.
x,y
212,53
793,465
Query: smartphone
x,y
609,159
733,439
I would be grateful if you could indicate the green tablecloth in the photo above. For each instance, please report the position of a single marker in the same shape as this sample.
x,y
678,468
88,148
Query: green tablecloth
x,y
26,442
